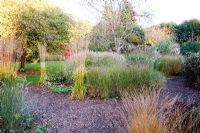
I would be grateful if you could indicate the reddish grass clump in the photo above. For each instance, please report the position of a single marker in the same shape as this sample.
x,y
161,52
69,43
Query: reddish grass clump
x,y
149,114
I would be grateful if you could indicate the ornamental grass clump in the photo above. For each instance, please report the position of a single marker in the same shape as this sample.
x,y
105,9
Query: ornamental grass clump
x,y
169,64
43,76
141,58
78,91
142,113
165,45
98,82
109,81
97,59
78,74
11,107
147,113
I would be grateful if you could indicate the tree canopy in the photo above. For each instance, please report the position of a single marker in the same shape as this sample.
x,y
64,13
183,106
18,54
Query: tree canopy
x,y
188,31
118,28
34,22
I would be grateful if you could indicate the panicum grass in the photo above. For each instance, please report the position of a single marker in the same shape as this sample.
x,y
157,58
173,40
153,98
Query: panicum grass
x,y
105,82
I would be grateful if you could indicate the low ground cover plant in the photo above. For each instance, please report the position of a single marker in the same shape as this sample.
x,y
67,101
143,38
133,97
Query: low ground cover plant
x,y
191,68
60,80
107,82
62,75
61,89
56,77
169,64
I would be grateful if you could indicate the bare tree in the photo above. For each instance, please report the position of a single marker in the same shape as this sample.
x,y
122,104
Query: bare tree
x,y
117,20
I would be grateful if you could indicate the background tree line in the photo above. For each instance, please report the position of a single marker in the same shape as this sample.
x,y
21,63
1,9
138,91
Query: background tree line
x,y
39,22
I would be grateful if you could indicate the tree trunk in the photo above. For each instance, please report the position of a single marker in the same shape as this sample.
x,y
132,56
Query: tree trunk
x,y
22,61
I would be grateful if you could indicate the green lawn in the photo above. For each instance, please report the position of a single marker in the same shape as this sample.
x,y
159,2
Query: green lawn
x,y
33,79
51,65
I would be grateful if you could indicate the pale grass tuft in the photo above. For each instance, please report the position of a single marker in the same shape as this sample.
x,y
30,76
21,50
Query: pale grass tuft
x,y
80,48
143,113
42,52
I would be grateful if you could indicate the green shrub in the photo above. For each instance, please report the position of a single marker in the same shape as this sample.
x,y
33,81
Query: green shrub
x,y
169,64
11,107
96,46
107,82
135,35
191,68
190,47
141,57
188,31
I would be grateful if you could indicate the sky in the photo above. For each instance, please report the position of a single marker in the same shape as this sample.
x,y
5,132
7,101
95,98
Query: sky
x,y
162,10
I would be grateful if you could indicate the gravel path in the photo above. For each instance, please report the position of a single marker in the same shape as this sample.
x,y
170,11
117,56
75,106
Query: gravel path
x,y
64,115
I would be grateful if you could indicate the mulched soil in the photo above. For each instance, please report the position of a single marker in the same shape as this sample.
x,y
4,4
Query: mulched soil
x,y
63,115
178,86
